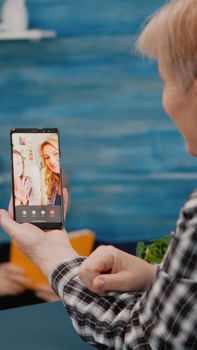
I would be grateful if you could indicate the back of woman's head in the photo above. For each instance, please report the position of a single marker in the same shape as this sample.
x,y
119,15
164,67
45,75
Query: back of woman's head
x,y
170,36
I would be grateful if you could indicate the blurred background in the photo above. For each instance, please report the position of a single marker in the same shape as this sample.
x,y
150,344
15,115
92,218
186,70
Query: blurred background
x,y
128,170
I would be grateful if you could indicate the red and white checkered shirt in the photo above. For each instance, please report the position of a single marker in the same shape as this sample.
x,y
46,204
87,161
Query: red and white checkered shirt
x,y
164,317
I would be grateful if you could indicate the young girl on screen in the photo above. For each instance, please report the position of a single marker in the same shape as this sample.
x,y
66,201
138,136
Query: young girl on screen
x,y
22,183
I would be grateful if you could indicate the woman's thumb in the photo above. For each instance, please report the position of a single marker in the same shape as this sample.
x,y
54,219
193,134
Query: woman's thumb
x,y
111,282
7,223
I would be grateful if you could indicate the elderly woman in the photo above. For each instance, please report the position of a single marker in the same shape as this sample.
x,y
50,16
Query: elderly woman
x,y
152,308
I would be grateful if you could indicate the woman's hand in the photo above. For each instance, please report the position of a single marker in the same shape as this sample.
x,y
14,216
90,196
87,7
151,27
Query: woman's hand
x,y
45,293
22,190
110,269
12,280
45,249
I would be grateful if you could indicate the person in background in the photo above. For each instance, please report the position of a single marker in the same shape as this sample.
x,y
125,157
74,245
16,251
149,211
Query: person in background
x,y
49,153
15,286
150,308
12,280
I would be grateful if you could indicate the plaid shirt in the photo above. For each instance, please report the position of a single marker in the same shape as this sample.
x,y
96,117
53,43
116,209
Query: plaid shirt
x,y
164,317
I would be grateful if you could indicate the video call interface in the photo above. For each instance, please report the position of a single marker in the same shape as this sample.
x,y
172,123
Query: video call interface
x,y
36,177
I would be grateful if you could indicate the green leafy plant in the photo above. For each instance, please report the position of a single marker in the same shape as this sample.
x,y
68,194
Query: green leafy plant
x,y
155,251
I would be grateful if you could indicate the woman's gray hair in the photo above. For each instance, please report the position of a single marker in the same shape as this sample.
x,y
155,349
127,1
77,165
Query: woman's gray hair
x,y
170,36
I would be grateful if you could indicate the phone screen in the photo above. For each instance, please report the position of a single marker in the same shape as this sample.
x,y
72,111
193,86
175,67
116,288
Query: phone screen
x,y
36,177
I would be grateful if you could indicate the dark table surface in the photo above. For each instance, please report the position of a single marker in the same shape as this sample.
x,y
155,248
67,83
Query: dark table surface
x,y
39,327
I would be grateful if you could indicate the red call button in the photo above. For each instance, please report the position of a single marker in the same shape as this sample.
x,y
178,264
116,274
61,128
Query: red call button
x,y
52,212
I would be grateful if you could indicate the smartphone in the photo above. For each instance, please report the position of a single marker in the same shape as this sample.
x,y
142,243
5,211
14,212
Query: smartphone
x,y
37,177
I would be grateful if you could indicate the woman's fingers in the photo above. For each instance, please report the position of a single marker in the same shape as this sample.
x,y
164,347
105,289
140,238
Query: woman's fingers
x,y
21,182
21,280
11,288
8,224
65,200
111,282
10,207
12,280
15,275
13,269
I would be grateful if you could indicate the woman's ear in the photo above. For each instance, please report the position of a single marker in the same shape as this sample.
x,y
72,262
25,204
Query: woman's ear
x,y
194,86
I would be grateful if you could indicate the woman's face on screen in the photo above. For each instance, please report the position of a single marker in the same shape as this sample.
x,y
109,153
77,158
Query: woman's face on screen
x,y
51,158
18,165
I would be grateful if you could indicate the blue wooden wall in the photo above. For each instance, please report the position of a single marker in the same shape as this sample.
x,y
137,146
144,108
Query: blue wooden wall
x,y
128,169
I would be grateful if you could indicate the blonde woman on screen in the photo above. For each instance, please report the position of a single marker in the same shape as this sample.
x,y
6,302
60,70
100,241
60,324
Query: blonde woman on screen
x,y
50,175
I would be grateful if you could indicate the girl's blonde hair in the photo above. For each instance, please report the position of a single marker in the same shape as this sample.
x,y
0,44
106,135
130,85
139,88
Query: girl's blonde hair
x,y
51,179
171,37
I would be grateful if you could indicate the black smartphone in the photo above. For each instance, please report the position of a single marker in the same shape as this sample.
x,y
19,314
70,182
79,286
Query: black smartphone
x,y
37,177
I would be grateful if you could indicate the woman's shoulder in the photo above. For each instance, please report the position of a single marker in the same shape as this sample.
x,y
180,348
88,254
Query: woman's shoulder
x,y
189,210
188,215
191,202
